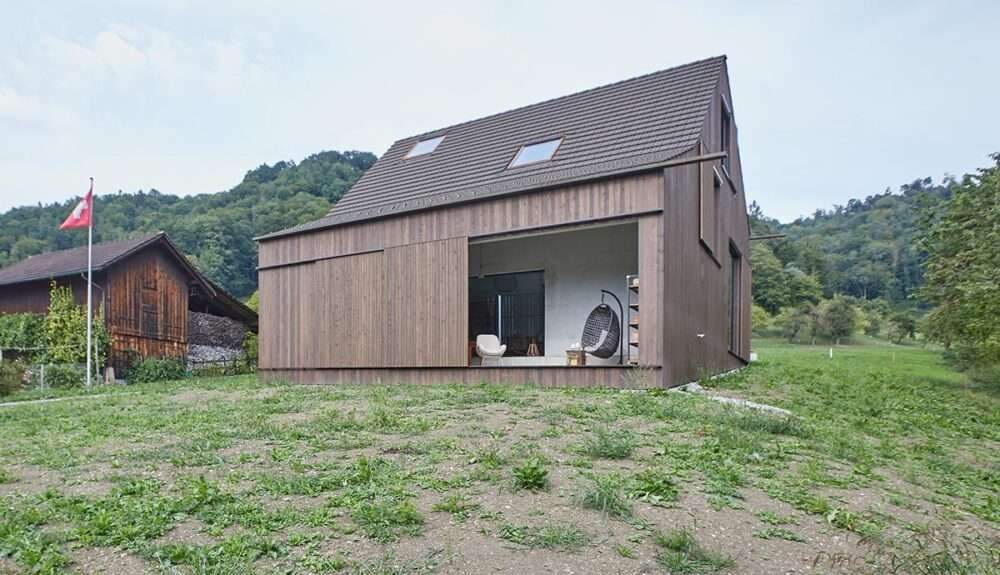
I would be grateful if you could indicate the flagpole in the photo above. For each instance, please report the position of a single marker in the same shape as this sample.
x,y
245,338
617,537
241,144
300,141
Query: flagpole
x,y
90,283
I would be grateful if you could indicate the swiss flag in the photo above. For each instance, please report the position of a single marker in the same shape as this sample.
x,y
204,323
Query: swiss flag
x,y
80,217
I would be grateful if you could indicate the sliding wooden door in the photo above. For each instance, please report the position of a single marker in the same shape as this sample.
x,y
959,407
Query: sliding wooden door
x,y
427,304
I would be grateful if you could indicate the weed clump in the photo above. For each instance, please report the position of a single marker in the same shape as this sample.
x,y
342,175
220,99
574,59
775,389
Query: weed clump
x,y
606,495
531,475
608,444
681,553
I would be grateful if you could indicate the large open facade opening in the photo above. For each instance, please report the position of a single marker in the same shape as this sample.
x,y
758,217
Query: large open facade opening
x,y
535,291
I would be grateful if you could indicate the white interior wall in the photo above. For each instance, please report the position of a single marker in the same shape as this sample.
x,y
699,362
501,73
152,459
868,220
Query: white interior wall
x,y
577,265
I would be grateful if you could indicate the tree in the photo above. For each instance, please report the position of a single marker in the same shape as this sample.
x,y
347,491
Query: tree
x,y
760,320
901,325
770,290
962,269
837,318
793,321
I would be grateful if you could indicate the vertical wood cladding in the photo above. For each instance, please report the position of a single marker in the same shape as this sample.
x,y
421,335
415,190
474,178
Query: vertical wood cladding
x,y
427,304
603,199
146,307
404,307
651,290
697,262
349,313
685,270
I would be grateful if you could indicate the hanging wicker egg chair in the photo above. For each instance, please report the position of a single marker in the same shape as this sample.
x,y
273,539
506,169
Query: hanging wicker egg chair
x,y
602,333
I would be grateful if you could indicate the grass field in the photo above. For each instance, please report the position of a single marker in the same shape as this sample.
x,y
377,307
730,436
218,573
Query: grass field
x,y
889,465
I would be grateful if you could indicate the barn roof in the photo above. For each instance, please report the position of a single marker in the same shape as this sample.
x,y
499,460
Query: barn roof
x,y
619,128
73,262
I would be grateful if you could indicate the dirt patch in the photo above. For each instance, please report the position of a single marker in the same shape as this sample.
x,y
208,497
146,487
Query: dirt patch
x,y
29,480
189,532
106,560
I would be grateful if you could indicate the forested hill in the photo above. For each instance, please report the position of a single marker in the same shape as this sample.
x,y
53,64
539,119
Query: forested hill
x,y
215,230
866,249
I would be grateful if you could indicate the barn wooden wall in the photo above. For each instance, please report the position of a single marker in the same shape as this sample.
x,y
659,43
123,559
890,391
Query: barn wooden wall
x,y
33,297
147,305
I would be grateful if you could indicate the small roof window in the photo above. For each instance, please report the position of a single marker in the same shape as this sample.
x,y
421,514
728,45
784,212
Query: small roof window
x,y
532,153
424,147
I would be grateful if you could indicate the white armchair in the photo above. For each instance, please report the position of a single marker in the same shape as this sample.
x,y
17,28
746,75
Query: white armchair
x,y
488,347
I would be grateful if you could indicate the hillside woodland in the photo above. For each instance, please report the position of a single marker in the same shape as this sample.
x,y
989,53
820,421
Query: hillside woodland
x,y
215,229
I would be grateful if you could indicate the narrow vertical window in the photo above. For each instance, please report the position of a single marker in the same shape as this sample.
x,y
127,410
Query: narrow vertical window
x,y
725,123
709,229
735,299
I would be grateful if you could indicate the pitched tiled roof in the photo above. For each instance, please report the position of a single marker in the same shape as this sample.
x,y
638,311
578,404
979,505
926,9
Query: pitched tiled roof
x,y
618,128
72,261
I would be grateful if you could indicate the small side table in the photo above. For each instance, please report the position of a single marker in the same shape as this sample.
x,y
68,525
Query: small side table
x,y
576,358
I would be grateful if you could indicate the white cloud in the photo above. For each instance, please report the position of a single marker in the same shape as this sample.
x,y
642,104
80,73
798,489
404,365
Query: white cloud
x,y
20,108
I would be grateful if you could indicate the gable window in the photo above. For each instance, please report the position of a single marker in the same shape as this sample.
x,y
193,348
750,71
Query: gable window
x,y
735,299
538,152
725,123
424,147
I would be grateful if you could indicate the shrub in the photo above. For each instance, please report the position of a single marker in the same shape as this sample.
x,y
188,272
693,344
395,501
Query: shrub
x,y
11,377
66,329
531,475
155,369
64,375
22,330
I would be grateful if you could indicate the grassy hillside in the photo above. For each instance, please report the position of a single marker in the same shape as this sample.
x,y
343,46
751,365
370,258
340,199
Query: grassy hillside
x,y
216,230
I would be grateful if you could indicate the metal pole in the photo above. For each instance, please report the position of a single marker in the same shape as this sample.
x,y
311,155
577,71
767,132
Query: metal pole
x,y
90,283
625,333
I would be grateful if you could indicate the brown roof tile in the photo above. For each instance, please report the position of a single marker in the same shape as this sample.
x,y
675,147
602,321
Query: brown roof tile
x,y
72,261
617,128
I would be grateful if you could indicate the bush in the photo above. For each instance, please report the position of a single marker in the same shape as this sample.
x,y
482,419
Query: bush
x,y
155,369
22,330
64,375
11,377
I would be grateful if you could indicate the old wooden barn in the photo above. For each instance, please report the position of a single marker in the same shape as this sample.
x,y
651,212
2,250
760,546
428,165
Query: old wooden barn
x,y
144,287
515,227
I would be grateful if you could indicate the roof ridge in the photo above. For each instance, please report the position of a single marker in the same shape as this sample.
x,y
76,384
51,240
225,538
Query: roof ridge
x,y
429,133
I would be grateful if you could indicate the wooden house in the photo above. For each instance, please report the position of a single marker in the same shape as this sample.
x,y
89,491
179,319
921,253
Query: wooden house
x,y
512,225
143,287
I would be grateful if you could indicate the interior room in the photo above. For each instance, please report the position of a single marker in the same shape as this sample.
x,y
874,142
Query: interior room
x,y
535,291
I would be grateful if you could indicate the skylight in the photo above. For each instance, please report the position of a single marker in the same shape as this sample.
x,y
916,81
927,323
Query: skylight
x,y
535,153
424,147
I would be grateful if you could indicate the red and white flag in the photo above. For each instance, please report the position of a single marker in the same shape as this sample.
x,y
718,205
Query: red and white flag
x,y
80,217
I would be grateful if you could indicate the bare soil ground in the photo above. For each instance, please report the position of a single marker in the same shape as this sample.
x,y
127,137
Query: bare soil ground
x,y
231,476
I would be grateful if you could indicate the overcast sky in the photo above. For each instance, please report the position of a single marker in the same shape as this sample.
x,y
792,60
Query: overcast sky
x,y
833,100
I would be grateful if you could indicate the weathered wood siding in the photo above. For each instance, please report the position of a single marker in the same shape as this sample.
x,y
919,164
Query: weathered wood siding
x,y
33,297
146,307
591,376
697,259
348,312
404,307
577,203
427,304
